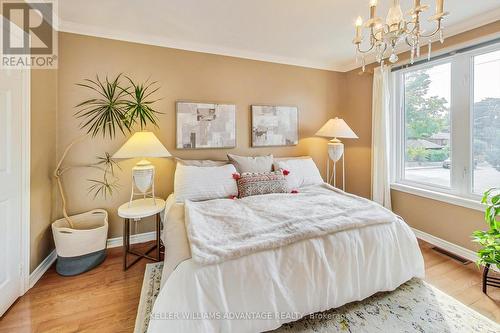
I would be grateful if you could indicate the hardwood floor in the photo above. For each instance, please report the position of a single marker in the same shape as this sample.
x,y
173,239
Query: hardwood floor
x,y
106,298
462,282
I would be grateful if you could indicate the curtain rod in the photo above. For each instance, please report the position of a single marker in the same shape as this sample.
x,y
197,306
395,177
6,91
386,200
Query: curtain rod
x,y
448,54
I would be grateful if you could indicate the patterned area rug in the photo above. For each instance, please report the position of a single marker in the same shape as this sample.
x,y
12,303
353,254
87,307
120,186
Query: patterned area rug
x,y
414,307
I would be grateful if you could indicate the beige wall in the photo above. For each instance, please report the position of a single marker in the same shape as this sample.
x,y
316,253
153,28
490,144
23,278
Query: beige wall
x,y
184,75
356,111
43,157
449,222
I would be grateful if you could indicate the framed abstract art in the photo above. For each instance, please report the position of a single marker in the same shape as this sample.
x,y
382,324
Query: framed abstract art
x,y
275,125
205,125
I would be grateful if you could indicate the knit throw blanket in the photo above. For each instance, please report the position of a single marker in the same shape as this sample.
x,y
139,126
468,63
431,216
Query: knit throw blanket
x,y
224,229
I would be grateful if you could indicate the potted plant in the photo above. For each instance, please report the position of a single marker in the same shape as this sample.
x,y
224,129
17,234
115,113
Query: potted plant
x,y
80,239
489,253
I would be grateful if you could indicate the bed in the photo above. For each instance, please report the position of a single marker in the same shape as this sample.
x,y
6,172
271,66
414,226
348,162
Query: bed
x,y
314,250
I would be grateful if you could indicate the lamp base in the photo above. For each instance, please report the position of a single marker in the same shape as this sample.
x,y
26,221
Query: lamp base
x,y
335,153
143,177
335,149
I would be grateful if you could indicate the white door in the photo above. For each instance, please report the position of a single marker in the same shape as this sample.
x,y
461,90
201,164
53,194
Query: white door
x,y
12,113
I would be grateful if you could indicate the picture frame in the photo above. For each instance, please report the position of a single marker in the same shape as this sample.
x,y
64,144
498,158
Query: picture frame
x,y
201,125
274,125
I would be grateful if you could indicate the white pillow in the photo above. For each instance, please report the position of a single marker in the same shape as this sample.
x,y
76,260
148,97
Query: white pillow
x,y
303,172
201,163
253,164
204,183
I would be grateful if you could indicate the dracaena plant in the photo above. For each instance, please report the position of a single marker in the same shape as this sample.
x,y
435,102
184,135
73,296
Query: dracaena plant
x,y
489,239
117,106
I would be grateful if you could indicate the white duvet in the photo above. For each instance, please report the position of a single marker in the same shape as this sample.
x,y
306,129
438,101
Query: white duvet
x,y
261,291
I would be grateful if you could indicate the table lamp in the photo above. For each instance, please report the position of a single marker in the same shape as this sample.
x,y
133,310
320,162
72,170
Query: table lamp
x,y
142,145
336,128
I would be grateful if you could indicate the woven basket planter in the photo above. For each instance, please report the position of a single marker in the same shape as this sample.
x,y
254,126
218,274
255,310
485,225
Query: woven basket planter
x,y
83,247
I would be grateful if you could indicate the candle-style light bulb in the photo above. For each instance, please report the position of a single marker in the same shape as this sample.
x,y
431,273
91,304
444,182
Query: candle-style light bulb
x,y
394,16
416,4
359,21
358,24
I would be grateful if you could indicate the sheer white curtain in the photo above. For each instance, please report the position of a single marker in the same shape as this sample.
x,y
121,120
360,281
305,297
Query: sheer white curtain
x,y
381,191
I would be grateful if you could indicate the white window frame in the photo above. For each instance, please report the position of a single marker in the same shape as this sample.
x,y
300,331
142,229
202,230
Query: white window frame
x,y
461,127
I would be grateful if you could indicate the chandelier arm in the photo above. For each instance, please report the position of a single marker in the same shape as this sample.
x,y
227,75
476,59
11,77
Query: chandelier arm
x,y
376,40
374,35
415,22
408,42
366,51
435,30
415,28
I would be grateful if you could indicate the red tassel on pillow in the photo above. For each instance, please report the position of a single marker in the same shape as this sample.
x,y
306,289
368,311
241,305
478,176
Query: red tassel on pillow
x,y
294,192
233,197
236,176
286,172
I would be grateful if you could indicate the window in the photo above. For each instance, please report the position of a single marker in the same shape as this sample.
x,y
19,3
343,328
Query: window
x,y
447,124
486,122
427,125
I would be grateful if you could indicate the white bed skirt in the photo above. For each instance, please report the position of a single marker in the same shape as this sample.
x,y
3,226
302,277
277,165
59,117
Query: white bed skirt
x,y
270,288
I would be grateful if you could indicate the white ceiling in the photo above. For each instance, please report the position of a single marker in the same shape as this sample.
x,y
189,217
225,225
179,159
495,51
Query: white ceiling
x,y
310,33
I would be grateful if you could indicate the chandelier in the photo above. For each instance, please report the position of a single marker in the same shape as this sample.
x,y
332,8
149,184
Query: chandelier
x,y
385,36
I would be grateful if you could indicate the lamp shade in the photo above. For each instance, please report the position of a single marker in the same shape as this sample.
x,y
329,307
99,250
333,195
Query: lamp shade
x,y
142,144
336,128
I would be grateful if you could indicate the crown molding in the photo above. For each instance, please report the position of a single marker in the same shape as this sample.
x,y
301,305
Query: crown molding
x,y
90,30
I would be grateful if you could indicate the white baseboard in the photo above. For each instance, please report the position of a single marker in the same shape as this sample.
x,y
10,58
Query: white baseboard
x,y
134,239
42,268
112,242
448,246
445,245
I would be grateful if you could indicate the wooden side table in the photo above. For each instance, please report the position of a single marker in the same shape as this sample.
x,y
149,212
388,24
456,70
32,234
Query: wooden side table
x,y
136,210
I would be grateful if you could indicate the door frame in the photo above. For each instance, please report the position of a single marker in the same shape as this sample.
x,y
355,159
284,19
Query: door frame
x,y
25,180
24,191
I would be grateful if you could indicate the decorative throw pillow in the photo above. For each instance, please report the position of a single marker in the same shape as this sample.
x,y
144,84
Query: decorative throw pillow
x,y
204,183
261,183
257,164
303,172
